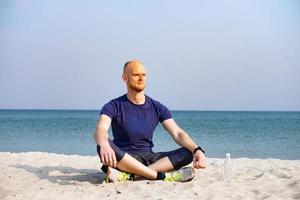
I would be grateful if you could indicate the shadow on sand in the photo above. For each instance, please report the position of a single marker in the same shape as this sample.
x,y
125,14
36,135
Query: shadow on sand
x,y
65,175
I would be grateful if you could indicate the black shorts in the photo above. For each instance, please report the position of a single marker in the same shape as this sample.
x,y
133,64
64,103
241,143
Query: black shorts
x,y
179,157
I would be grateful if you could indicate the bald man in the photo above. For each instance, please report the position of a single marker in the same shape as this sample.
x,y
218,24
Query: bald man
x,y
133,118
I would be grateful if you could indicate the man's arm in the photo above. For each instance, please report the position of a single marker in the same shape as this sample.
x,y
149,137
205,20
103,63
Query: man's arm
x,y
183,139
108,156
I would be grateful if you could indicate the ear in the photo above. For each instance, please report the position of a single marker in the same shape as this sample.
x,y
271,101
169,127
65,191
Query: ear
x,y
124,77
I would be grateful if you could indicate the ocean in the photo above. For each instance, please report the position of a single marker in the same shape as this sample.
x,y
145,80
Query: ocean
x,y
243,134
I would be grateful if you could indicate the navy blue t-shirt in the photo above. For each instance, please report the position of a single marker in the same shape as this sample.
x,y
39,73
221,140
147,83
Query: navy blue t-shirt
x,y
132,124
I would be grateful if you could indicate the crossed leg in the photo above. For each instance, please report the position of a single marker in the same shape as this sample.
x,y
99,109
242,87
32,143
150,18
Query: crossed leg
x,y
127,163
130,164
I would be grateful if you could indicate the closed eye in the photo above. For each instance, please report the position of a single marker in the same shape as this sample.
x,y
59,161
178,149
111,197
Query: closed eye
x,y
139,75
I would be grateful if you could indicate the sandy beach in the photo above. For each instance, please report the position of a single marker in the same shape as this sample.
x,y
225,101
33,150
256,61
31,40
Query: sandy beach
x,y
38,175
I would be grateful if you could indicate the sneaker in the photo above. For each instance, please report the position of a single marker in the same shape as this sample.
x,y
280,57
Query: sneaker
x,y
124,176
114,175
182,175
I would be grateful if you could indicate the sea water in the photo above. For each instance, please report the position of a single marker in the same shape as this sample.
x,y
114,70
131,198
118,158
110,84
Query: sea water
x,y
244,134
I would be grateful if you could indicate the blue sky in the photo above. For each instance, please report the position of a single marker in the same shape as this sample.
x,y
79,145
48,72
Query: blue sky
x,y
199,55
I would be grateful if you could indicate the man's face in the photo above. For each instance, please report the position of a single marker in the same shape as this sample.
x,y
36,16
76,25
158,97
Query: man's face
x,y
135,76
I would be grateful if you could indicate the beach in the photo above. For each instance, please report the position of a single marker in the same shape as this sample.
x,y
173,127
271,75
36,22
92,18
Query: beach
x,y
40,175
152,77
51,154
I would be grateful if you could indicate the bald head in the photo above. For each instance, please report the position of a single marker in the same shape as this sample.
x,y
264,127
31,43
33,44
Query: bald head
x,y
132,63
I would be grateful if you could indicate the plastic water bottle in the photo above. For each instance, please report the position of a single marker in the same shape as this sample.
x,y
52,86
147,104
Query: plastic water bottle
x,y
227,169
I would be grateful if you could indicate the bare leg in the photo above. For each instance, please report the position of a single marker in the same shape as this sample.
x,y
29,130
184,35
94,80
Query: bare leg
x,y
162,165
130,164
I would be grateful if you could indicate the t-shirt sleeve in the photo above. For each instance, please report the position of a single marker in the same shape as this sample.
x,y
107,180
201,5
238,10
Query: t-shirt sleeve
x,y
164,113
109,109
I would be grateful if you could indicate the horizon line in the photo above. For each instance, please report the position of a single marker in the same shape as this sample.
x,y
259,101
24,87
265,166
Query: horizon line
x,y
175,110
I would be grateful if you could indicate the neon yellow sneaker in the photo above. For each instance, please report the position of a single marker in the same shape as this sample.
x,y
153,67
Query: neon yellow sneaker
x,y
114,175
124,176
181,175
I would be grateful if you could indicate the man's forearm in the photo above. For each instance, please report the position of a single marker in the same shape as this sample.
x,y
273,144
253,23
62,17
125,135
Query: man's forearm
x,y
185,140
101,136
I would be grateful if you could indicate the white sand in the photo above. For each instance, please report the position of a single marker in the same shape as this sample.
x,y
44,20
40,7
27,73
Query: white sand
x,y
36,175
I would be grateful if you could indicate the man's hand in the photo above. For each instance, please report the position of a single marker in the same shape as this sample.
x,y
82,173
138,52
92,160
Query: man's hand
x,y
199,160
107,154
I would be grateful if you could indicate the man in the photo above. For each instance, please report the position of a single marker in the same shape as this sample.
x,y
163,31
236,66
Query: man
x,y
133,118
